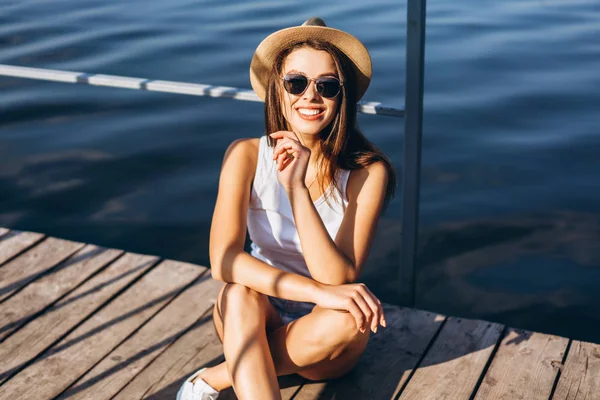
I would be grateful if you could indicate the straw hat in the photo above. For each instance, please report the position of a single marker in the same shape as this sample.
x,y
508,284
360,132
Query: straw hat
x,y
314,28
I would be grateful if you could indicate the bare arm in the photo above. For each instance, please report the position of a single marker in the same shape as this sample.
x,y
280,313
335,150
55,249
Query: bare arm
x,y
229,262
339,261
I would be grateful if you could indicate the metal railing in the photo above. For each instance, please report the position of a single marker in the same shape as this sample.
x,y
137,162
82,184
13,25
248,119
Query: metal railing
x,y
413,114
195,89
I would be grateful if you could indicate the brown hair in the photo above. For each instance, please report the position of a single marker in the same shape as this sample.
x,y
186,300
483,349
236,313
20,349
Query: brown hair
x,y
343,145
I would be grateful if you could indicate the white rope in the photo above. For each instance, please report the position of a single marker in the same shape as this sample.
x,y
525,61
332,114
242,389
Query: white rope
x,y
195,89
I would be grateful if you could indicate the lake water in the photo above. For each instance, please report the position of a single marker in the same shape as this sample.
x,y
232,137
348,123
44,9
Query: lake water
x,y
510,199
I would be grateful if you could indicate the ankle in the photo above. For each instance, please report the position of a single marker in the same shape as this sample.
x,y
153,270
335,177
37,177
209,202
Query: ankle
x,y
207,377
201,375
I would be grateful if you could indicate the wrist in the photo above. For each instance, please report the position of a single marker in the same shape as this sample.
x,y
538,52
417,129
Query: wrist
x,y
294,190
315,290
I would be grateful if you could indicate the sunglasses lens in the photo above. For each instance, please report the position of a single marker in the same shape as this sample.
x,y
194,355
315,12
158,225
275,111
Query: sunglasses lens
x,y
328,87
295,84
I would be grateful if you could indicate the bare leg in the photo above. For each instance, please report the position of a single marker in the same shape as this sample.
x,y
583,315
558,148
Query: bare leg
x,y
249,363
322,345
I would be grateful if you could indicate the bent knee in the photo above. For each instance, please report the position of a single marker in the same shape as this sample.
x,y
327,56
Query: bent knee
x,y
237,294
338,327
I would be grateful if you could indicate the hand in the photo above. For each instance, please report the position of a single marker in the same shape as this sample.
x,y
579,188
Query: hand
x,y
356,299
291,158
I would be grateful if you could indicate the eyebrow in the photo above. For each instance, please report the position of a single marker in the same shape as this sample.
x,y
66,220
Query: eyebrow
x,y
318,76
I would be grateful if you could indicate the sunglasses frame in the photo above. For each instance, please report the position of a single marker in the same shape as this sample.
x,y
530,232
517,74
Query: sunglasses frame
x,y
309,80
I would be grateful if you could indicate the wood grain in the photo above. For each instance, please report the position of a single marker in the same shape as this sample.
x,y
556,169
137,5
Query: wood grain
x,y
580,376
197,348
28,266
79,351
454,363
79,322
36,296
12,243
32,339
524,367
390,357
120,366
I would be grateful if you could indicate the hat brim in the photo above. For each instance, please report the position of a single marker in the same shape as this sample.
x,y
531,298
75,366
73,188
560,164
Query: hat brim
x,y
266,52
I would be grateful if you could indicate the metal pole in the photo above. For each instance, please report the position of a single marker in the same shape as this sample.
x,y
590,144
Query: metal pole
x,y
415,60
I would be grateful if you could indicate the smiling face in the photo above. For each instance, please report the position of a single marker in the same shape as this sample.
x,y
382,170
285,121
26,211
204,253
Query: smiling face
x,y
309,113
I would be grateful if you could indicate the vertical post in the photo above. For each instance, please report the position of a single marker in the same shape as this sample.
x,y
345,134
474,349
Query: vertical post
x,y
411,172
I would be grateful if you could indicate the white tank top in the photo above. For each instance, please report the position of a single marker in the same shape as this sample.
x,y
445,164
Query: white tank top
x,y
271,223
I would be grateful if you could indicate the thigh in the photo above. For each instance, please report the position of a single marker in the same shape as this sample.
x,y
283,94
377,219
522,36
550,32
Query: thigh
x,y
273,319
338,366
318,346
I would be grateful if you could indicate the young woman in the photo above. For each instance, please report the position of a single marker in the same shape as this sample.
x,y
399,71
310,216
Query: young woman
x,y
310,192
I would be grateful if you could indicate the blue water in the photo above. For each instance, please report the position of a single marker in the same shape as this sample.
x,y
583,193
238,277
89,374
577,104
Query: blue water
x,y
510,200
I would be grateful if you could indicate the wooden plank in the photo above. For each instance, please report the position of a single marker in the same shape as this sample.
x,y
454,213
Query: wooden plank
x,y
197,348
3,231
36,296
28,266
580,376
118,368
32,339
389,359
12,243
288,387
79,351
453,365
524,367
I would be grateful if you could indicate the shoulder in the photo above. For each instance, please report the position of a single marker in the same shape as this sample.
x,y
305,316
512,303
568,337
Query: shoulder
x,y
240,159
243,151
247,147
370,179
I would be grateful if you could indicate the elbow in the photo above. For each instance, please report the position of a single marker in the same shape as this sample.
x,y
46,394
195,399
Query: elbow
x,y
221,263
216,264
349,275
351,272
215,270
216,274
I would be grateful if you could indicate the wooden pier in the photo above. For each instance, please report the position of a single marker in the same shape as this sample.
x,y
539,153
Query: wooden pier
x,y
78,321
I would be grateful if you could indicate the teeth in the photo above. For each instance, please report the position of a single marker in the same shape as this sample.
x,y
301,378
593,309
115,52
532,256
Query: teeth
x,y
306,111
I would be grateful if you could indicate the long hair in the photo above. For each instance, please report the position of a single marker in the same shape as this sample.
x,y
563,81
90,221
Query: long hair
x,y
342,144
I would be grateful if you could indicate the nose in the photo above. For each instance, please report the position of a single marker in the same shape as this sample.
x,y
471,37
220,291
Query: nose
x,y
311,90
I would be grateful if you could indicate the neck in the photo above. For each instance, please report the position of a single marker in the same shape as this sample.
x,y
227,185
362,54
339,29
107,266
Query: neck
x,y
310,141
313,144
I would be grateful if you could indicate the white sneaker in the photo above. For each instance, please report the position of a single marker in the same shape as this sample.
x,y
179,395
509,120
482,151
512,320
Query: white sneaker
x,y
196,391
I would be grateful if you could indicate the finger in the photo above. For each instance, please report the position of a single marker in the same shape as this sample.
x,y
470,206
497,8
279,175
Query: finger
x,y
289,137
287,161
356,312
278,148
281,158
292,148
284,134
379,306
280,154
365,309
283,145
373,306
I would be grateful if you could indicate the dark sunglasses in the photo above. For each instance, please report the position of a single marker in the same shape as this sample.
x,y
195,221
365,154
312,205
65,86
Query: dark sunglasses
x,y
327,86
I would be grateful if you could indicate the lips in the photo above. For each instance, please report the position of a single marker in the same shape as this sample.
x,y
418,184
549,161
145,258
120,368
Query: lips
x,y
310,113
